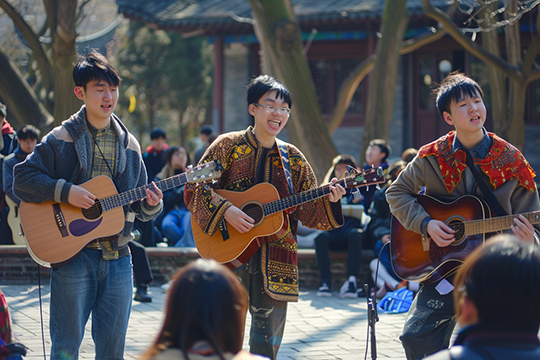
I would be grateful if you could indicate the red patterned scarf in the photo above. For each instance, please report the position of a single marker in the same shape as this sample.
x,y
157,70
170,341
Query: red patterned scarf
x,y
502,163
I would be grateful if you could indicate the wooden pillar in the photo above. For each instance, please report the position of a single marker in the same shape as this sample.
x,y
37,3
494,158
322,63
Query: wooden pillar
x,y
219,64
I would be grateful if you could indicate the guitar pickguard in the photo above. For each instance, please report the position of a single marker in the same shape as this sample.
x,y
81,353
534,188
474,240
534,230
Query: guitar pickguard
x,y
82,227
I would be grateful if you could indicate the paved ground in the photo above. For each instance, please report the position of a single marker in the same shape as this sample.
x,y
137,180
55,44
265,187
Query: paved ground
x,y
317,328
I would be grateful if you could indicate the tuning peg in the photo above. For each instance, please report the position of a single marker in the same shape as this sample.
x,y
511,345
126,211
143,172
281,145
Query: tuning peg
x,y
356,194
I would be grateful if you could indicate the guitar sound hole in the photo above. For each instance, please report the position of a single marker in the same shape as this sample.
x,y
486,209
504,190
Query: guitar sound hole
x,y
94,212
459,230
255,211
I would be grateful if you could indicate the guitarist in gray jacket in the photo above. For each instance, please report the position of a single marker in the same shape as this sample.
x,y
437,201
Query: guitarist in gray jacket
x,y
90,143
441,167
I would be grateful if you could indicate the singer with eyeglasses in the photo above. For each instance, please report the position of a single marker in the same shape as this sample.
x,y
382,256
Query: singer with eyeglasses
x,y
250,157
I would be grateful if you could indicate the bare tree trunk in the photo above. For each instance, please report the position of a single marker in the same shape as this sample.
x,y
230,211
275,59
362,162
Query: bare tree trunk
x,y
380,104
279,35
515,133
61,20
20,99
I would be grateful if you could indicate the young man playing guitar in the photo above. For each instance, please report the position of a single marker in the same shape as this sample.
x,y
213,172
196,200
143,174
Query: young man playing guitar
x,y
250,157
441,167
90,143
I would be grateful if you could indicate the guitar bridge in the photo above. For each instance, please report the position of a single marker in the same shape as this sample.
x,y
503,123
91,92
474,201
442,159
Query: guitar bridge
x,y
60,221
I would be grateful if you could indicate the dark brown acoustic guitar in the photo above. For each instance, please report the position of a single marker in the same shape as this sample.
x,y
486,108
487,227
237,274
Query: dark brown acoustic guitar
x,y
469,217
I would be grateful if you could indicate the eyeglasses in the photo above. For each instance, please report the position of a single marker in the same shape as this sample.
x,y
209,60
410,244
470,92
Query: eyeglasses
x,y
270,109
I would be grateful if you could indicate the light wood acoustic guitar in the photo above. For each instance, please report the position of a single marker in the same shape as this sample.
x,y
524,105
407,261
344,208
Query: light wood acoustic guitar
x,y
262,204
55,232
14,222
423,261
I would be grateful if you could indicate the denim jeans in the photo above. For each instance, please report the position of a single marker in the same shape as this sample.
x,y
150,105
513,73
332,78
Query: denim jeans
x,y
89,284
176,227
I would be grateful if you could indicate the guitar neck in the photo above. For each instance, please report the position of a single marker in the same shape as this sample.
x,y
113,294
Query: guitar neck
x,y
297,199
139,193
501,223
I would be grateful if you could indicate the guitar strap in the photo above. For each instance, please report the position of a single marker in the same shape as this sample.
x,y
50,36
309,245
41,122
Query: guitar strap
x,y
282,147
488,194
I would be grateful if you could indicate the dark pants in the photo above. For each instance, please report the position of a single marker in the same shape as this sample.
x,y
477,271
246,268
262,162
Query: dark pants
x,y
348,237
150,235
267,315
429,324
141,266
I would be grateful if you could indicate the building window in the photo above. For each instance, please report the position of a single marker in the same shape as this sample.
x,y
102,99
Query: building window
x,y
328,76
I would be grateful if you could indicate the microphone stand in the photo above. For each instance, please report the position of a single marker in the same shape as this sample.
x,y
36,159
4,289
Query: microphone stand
x,y
373,317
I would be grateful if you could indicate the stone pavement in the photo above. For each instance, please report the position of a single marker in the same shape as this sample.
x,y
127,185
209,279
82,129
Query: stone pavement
x,y
317,328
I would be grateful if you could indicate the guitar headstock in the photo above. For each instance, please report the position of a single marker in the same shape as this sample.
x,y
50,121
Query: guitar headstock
x,y
356,178
207,171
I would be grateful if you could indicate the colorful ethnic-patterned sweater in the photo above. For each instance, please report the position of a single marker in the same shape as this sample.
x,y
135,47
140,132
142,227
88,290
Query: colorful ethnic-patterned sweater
x,y
239,153
445,176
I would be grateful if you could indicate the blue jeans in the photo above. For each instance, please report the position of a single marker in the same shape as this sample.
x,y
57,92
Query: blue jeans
x,y
89,284
176,227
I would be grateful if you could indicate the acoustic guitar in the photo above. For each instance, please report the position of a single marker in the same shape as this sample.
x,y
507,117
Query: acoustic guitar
x,y
14,222
55,232
424,261
263,204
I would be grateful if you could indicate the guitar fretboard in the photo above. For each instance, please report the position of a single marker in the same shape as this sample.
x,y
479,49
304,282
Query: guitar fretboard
x,y
495,224
372,177
137,194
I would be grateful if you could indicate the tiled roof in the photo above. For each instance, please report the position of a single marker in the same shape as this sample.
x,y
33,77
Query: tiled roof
x,y
211,16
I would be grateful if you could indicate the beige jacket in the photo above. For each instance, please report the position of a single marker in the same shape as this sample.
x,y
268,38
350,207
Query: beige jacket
x,y
425,171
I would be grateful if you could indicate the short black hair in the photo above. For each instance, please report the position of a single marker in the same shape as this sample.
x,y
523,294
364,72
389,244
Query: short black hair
x,y
94,67
454,87
504,261
157,133
28,132
262,84
383,145
340,159
207,130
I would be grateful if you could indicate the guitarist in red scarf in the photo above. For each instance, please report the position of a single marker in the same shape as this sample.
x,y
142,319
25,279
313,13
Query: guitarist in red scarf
x,y
441,167
250,157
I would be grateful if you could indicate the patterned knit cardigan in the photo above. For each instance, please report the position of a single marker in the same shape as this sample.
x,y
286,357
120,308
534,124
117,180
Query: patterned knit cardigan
x,y
239,153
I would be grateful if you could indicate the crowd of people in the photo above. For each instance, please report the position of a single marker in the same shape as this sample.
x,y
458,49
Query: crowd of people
x,y
99,280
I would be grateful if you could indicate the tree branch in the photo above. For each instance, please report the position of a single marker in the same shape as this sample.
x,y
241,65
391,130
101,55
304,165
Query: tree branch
x,y
472,47
353,80
33,41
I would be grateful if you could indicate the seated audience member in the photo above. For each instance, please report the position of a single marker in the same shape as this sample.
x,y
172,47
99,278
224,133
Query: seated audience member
x,y
348,237
379,230
154,160
377,153
204,317
27,138
205,134
409,154
176,223
154,157
496,301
